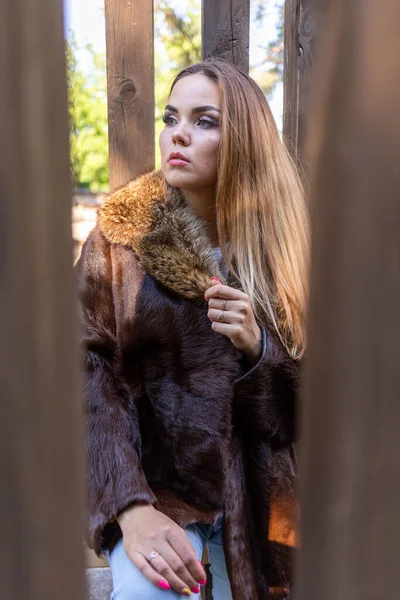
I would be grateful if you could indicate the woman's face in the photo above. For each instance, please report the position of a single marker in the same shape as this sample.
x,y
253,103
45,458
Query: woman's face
x,y
190,140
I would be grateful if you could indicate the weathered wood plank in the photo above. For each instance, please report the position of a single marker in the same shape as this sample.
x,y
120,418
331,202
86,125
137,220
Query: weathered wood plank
x,y
309,29
130,77
302,27
291,76
41,470
226,30
350,451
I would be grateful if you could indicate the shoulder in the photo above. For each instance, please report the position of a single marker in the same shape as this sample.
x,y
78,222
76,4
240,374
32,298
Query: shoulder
x,y
95,255
102,260
122,221
127,215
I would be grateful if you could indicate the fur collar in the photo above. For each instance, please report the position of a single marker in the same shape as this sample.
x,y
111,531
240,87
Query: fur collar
x,y
154,220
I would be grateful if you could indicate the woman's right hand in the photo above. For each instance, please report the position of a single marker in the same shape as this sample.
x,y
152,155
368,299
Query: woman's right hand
x,y
145,530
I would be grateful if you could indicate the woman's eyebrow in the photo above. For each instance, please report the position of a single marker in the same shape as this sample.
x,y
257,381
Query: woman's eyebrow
x,y
198,109
205,108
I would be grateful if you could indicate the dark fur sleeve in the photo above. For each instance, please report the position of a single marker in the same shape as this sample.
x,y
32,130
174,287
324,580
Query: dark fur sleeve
x,y
265,398
115,478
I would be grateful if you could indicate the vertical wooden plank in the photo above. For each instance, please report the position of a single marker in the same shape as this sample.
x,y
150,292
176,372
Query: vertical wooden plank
x,y
226,30
351,445
291,76
130,80
302,26
41,469
309,28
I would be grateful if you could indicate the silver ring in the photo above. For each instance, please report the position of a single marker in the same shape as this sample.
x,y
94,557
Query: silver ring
x,y
153,555
221,317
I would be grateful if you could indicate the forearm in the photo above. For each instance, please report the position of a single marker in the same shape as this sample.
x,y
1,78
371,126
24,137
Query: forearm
x,y
265,398
116,480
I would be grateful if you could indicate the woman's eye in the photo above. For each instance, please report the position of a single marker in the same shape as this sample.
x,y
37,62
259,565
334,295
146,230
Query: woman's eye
x,y
207,122
203,122
169,119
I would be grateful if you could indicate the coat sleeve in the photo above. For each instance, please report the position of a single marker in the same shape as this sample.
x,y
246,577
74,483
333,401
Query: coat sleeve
x,y
112,435
265,397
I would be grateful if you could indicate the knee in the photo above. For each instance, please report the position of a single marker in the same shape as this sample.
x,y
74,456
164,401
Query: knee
x,y
140,588
130,583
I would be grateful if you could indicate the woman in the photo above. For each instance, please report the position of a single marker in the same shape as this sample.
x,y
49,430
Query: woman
x,y
193,294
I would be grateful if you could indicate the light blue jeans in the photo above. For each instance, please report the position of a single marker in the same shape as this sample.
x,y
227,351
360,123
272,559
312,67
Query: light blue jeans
x,y
130,584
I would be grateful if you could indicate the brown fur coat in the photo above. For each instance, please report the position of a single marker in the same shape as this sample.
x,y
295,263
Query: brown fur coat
x,y
174,416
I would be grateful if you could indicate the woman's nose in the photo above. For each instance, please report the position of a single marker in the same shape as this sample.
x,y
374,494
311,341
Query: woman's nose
x,y
180,135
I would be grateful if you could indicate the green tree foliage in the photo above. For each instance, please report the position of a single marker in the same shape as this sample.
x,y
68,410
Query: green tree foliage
x,y
88,119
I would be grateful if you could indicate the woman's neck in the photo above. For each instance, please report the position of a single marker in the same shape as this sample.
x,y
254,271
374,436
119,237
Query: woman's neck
x,y
203,204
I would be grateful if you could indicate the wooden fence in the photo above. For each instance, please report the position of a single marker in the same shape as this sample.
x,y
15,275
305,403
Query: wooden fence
x,y
351,448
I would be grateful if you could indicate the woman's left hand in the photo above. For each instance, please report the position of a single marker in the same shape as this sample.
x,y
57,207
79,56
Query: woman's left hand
x,y
231,314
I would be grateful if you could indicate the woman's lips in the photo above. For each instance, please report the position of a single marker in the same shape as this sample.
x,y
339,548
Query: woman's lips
x,y
178,162
177,159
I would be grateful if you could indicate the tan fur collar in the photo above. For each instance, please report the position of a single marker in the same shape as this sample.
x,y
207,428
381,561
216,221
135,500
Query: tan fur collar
x,y
155,221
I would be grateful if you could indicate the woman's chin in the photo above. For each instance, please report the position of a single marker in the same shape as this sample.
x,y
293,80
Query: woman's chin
x,y
176,179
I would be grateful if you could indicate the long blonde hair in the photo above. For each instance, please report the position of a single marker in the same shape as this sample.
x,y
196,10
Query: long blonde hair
x,y
262,217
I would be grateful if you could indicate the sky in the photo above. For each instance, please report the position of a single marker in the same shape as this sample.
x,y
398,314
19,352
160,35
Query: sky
x,y
86,19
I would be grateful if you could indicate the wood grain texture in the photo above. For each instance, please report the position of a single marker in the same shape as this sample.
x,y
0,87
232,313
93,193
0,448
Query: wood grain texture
x,y
350,468
309,29
130,80
291,76
302,28
226,30
41,442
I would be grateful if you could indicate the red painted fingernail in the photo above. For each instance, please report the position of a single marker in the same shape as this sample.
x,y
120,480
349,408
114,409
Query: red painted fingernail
x,y
202,581
164,585
196,590
216,279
